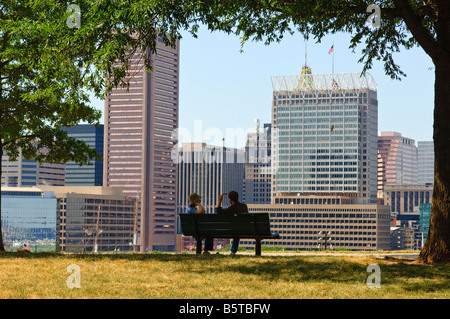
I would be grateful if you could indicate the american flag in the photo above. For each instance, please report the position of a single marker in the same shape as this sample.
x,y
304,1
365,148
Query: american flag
x,y
331,49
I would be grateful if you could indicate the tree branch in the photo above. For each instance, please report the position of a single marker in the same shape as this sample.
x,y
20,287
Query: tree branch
x,y
414,24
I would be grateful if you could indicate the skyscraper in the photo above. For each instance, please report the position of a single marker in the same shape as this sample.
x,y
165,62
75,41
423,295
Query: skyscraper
x,y
425,162
258,173
139,121
326,135
86,175
397,160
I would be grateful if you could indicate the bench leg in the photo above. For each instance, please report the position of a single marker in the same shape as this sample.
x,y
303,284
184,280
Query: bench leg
x,y
258,247
199,245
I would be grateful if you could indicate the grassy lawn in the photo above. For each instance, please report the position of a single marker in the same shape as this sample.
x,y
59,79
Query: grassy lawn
x,y
190,276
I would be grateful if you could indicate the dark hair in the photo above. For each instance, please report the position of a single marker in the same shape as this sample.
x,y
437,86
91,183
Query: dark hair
x,y
234,196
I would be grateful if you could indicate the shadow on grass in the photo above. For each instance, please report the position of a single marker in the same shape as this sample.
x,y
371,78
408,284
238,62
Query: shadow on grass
x,y
404,274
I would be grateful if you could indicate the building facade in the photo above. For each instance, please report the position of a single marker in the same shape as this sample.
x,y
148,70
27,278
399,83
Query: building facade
x,y
139,122
407,198
29,218
326,135
86,175
23,172
397,160
94,219
303,221
425,162
258,166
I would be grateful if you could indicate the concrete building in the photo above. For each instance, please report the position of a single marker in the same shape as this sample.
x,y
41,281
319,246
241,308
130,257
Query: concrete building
x,y
404,199
258,166
402,238
326,135
86,175
139,122
23,172
397,163
94,218
302,222
425,162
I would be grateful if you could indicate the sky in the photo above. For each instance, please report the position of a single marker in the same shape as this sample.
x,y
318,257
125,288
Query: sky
x,y
223,90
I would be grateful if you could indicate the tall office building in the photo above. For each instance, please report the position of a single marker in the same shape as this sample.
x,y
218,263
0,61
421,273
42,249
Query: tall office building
x,y
397,160
86,175
326,135
139,121
425,162
258,172
24,172
208,171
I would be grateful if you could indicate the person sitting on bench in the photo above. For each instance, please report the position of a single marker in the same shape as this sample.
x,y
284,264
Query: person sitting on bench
x,y
195,207
235,208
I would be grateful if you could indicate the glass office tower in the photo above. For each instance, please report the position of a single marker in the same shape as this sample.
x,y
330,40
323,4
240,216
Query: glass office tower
x,y
86,175
326,127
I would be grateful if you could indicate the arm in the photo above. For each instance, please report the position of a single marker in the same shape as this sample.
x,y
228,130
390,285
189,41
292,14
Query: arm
x,y
200,209
219,209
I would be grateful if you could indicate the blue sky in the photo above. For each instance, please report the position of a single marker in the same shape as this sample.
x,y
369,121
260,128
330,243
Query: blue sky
x,y
222,88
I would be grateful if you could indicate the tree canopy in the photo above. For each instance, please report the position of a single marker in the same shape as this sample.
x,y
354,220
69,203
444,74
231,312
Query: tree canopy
x,y
52,53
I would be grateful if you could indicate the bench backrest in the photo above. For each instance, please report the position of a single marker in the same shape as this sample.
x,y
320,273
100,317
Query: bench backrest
x,y
243,224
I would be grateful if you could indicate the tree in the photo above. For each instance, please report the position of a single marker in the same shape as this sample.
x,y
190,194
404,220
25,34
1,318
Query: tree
x,y
47,65
54,53
403,24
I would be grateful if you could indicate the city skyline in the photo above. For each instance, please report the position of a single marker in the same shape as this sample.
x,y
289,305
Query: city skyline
x,y
222,88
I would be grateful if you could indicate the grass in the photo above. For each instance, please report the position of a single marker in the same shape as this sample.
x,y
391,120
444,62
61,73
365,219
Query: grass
x,y
190,276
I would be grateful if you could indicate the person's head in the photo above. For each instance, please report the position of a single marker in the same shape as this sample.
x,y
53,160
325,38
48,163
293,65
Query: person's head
x,y
233,197
194,199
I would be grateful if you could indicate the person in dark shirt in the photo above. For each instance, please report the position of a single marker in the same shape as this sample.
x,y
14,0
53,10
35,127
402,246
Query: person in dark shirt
x,y
235,208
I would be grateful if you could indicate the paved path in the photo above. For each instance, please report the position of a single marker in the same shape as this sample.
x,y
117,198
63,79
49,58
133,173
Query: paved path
x,y
401,255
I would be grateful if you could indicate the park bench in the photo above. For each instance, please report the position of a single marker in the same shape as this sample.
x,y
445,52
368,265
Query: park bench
x,y
243,225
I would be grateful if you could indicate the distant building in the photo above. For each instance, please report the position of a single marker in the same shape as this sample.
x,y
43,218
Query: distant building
x,y
407,198
402,238
86,175
300,219
23,172
425,163
424,220
397,164
28,218
258,172
208,171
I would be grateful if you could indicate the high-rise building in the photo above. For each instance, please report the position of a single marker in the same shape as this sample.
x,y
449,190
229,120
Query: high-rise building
x,y
397,163
425,162
139,121
326,135
86,175
209,171
24,172
258,170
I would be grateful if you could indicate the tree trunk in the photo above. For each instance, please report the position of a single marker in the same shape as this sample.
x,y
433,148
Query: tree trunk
x,y
437,246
